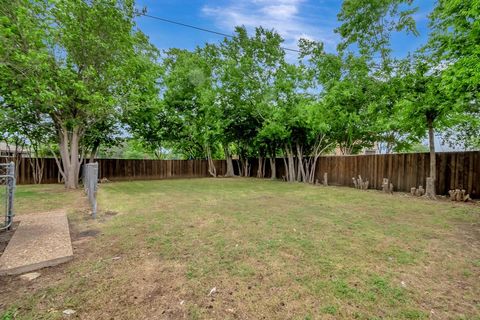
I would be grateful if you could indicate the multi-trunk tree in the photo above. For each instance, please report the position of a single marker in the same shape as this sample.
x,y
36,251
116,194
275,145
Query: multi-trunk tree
x,y
72,61
243,77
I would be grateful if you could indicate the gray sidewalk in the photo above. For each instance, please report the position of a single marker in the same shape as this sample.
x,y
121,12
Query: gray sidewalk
x,y
41,240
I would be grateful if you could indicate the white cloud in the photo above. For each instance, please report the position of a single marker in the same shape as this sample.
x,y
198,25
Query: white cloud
x,y
289,18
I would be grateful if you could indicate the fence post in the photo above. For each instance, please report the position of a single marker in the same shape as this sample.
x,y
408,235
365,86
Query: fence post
x,y
90,184
7,178
11,187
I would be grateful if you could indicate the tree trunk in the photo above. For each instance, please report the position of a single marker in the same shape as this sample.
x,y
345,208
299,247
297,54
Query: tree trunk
x,y
273,169
230,171
93,154
264,165
260,171
302,176
37,165
291,175
246,167
211,165
313,169
240,166
70,158
430,187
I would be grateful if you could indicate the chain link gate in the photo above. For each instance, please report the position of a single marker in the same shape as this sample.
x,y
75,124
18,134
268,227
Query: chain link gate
x,y
7,186
90,184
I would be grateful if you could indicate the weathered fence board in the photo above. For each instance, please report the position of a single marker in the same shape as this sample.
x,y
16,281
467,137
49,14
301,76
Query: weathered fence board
x,y
454,170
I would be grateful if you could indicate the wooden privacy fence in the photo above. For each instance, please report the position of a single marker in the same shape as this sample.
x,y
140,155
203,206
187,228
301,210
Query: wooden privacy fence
x,y
406,170
454,170
126,169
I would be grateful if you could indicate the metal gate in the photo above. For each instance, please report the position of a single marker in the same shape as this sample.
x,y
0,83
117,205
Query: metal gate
x,y
7,188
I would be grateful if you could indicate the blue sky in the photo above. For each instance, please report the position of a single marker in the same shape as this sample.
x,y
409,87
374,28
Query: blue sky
x,y
293,19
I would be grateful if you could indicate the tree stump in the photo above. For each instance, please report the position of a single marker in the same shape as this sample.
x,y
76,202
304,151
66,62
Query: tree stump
x,y
387,186
430,188
360,183
325,179
420,191
459,195
453,196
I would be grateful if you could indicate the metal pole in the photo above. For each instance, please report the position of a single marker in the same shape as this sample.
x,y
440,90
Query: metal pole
x,y
90,182
11,189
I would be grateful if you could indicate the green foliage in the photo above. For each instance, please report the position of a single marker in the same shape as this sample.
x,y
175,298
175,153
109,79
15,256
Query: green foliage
x,y
349,92
369,24
126,149
75,65
9,315
244,72
455,49
330,310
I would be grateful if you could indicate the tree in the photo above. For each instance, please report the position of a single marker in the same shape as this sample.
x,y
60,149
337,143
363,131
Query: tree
x,y
72,61
28,133
454,45
184,120
425,108
189,103
243,77
348,92
367,27
369,24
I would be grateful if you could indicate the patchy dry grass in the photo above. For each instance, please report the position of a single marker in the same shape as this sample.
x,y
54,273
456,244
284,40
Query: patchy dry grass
x,y
272,250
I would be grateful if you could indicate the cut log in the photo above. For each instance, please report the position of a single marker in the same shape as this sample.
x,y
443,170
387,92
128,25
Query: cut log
x,y
325,179
452,194
413,191
458,195
420,191
430,188
365,185
387,186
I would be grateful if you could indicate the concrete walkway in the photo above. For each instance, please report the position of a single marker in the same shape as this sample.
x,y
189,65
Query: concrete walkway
x,y
41,240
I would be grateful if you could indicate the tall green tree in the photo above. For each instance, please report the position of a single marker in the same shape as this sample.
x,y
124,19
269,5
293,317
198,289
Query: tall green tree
x,y
425,107
454,45
72,61
367,28
189,102
348,92
243,77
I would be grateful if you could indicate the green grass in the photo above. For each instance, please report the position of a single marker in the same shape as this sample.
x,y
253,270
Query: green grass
x,y
271,249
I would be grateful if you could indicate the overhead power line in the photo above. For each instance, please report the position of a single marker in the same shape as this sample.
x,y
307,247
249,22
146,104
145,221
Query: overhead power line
x,y
198,28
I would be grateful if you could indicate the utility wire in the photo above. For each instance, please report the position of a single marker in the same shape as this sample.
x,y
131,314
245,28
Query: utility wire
x,y
199,28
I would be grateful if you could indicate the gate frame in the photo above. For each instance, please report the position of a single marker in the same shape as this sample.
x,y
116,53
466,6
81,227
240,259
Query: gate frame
x,y
9,177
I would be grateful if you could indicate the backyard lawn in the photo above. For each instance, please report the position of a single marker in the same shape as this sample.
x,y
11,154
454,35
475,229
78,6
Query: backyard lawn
x,y
253,249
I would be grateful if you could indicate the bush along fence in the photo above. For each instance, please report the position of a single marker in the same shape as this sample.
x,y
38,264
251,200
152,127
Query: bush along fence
x,y
455,170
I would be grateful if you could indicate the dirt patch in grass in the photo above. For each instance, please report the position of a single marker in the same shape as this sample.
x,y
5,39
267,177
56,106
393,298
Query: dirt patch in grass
x,y
88,233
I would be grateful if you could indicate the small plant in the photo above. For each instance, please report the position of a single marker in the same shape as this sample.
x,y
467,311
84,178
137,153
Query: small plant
x,y
9,315
330,310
